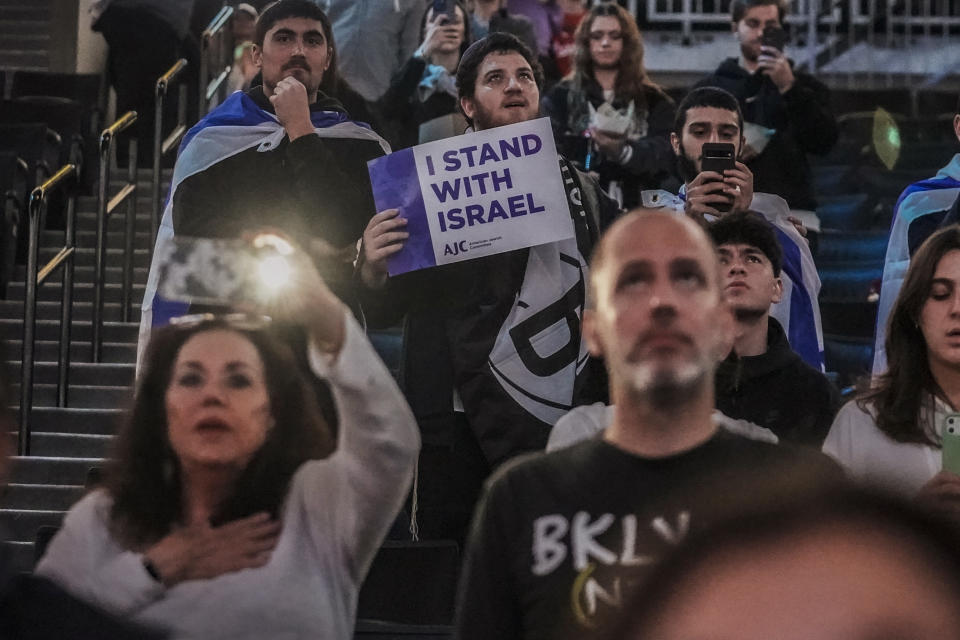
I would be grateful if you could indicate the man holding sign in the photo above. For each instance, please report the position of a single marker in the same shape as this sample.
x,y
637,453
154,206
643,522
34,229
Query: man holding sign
x,y
493,349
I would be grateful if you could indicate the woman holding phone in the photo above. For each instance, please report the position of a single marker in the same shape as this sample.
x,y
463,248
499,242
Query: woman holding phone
x,y
892,434
228,511
425,87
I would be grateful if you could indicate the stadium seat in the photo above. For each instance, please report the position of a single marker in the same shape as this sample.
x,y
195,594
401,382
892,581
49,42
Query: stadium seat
x,y
850,358
411,583
848,212
851,248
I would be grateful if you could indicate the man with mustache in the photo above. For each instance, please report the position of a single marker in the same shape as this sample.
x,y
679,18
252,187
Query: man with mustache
x,y
560,538
283,155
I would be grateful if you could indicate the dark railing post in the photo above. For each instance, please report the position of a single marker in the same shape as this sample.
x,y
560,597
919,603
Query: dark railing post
x,y
128,235
33,279
161,145
104,209
66,303
106,143
29,323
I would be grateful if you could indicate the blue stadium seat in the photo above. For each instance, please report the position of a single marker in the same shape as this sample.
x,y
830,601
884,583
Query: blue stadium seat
x,y
847,212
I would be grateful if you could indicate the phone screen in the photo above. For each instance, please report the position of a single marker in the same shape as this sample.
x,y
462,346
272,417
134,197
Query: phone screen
x,y
208,271
718,157
775,37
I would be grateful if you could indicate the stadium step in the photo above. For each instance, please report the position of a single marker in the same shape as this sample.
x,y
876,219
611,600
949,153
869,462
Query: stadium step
x,y
49,350
44,496
113,274
79,396
97,421
82,292
55,470
66,445
80,330
81,310
81,373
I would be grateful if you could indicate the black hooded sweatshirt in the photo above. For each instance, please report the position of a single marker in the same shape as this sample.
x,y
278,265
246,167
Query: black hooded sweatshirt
x,y
803,121
779,391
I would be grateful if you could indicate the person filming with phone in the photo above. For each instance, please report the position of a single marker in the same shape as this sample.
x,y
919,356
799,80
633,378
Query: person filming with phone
x,y
902,432
228,510
787,112
425,88
707,141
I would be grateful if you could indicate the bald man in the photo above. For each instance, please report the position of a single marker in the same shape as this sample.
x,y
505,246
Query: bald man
x,y
559,538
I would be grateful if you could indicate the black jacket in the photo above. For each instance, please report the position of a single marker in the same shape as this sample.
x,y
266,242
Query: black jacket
x,y
652,158
310,188
451,314
403,109
802,118
778,391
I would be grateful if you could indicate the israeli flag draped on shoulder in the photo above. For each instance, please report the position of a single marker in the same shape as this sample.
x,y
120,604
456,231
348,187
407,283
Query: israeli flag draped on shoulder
x,y
799,310
919,199
233,127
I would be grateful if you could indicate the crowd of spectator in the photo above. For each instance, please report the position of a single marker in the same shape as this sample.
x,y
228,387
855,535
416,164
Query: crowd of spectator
x,y
701,477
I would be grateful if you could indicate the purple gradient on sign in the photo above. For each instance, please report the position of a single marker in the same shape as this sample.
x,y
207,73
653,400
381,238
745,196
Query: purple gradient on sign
x,y
396,186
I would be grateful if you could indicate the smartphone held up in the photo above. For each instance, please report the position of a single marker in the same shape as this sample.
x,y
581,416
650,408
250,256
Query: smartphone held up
x,y
719,157
227,272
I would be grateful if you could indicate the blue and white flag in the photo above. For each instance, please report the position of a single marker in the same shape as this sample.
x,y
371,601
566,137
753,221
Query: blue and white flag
x,y
920,199
798,312
233,127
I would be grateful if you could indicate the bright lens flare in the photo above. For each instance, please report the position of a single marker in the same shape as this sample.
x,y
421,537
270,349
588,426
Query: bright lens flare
x,y
275,273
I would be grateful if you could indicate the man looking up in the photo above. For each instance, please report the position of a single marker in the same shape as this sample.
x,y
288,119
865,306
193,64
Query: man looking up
x,y
763,380
787,111
709,114
283,155
559,538
481,384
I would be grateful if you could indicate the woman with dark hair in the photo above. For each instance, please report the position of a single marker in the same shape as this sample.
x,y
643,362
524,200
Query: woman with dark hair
x,y
607,114
891,434
228,512
425,88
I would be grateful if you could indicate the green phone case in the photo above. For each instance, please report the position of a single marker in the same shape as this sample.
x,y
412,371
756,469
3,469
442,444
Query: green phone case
x,y
951,443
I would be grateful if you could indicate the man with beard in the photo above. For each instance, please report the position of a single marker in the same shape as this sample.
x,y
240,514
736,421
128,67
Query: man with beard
x,y
560,538
483,376
763,380
282,155
787,111
709,114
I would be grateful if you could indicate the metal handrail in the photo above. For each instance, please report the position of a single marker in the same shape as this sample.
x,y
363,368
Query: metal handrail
x,y
34,279
208,88
162,146
105,208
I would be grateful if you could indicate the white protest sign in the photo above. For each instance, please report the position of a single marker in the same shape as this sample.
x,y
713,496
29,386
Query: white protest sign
x,y
474,195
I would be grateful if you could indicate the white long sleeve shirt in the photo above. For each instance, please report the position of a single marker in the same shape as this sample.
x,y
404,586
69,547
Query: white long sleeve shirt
x,y
336,514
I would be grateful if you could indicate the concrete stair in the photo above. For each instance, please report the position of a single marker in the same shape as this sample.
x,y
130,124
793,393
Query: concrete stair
x,y
66,442
25,34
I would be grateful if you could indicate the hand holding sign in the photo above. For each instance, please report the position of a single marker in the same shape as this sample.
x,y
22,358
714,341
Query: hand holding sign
x,y
383,237
466,197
